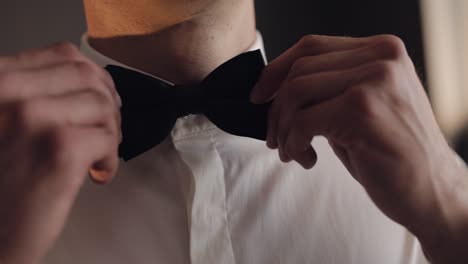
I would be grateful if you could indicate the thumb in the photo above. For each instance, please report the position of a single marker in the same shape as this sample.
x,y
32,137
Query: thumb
x,y
271,78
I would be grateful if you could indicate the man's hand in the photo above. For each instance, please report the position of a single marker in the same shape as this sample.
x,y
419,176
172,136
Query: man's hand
x,y
59,119
365,97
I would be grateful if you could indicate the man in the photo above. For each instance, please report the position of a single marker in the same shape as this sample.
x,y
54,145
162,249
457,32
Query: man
x,y
203,195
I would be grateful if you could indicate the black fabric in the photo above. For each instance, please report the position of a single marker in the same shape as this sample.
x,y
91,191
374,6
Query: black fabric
x,y
150,107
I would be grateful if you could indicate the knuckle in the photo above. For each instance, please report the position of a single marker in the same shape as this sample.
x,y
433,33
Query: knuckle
x,y
109,116
86,71
363,101
298,67
383,70
66,50
90,75
101,99
391,47
310,42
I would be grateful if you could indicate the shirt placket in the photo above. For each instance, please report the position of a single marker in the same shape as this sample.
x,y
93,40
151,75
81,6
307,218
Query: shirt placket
x,y
210,240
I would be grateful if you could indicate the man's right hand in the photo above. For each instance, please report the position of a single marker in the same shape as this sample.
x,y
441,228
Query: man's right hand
x,y
59,119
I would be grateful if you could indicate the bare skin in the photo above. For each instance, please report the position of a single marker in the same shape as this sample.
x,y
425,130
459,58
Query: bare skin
x,y
199,35
365,97
362,94
59,118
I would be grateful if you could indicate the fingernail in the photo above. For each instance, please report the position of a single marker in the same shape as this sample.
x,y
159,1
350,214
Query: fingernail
x,y
99,176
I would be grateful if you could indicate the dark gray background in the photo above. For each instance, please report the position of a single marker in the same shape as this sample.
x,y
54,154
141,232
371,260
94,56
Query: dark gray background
x,y
26,23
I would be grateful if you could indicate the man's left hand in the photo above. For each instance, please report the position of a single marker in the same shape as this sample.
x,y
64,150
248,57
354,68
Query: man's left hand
x,y
365,97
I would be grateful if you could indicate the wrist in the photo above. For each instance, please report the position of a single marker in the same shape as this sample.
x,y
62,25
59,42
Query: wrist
x,y
443,232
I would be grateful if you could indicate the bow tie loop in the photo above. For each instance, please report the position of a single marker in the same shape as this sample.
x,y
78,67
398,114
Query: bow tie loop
x,y
190,99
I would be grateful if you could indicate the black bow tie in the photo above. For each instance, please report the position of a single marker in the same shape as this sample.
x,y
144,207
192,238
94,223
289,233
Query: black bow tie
x,y
150,107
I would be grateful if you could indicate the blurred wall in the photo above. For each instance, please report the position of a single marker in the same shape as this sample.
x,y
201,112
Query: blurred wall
x,y
446,34
25,23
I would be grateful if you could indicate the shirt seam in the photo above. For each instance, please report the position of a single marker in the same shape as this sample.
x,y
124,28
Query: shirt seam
x,y
192,134
228,224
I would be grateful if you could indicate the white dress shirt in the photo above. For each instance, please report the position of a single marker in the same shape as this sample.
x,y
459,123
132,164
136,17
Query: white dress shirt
x,y
207,197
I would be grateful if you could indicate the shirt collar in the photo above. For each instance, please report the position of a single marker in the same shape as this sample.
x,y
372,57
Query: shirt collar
x,y
102,60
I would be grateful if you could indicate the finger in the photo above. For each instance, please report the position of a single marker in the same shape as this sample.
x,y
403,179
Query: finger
x,y
40,57
274,74
308,159
65,155
271,138
308,90
80,109
55,80
342,60
323,119
284,157
74,150
103,171
105,164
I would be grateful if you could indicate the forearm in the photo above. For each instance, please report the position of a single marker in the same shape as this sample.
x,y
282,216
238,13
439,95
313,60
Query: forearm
x,y
444,236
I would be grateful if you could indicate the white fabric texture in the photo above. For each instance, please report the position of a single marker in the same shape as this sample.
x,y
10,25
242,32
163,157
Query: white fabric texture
x,y
204,196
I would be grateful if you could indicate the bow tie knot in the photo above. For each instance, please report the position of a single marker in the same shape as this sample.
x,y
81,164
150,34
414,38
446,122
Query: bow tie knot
x,y
190,99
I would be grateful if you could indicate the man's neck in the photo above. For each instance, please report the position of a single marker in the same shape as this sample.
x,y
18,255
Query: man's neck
x,y
181,52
